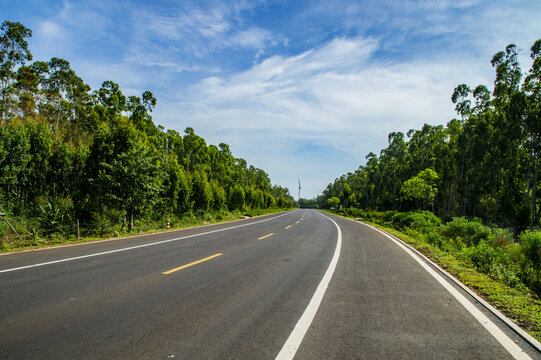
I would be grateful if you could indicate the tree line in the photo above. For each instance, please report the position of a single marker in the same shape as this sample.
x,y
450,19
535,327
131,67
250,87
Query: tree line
x,y
69,152
484,164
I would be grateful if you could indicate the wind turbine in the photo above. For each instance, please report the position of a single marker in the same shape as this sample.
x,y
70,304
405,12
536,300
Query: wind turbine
x,y
299,189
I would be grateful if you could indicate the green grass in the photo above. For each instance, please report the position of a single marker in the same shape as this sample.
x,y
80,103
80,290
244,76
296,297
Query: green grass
x,y
523,306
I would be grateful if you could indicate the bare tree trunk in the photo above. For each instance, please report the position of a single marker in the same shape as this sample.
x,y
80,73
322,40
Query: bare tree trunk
x,y
534,190
527,190
131,222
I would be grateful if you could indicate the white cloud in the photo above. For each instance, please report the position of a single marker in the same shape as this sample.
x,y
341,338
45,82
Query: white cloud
x,y
50,30
254,37
288,111
334,97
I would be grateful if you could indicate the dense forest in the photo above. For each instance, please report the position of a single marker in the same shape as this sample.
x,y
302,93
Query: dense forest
x,y
484,164
67,152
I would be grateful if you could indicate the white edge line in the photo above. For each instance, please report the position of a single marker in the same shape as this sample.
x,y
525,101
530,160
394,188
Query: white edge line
x,y
294,340
527,337
533,342
495,331
136,247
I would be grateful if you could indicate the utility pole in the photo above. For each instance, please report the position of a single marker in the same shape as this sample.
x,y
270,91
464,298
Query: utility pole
x,y
299,189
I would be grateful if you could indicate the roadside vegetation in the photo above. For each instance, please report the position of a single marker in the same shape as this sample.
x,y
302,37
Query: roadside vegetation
x,y
70,155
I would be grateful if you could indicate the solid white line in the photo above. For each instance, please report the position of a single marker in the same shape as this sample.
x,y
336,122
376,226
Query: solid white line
x,y
295,338
527,337
135,247
495,331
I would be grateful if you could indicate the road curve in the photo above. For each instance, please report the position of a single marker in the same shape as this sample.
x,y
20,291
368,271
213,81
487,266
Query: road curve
x,y
234,291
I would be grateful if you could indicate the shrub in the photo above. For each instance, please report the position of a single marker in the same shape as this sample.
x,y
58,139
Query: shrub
x,y
422,221
387,216
434,238
501,238
471,232
55,214
483,256
531,248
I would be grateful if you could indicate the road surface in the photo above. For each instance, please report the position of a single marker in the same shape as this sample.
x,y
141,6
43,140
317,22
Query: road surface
x,y
237,291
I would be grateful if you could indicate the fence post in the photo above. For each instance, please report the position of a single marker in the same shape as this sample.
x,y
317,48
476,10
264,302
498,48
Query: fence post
x,y
78,238
6,220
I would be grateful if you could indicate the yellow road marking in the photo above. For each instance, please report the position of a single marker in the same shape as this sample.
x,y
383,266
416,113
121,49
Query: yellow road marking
x,y
298,222
266,236
190,264
287,227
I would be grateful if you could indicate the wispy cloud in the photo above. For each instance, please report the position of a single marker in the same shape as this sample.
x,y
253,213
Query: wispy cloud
x,y
255,38
306,85
335,98
197,32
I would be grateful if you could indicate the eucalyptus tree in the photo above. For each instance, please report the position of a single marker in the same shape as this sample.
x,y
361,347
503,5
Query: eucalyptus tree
x,y
28,85
14,52
532,87
422,187
195,152
65,93
139,109
460,97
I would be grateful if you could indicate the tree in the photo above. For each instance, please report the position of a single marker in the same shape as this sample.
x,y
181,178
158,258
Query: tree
x,y
333,202
121,173
202,196
236,198
134,181
140,109
64,94
219,196
29,79
13,52
460,98
532,87
421,187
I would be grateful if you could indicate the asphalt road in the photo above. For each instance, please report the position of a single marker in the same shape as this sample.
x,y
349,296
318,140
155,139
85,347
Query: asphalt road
x,y
236,291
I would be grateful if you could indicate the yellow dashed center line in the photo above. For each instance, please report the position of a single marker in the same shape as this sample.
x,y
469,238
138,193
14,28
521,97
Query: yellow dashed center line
x,y
190,264
298,222
287,227
266,236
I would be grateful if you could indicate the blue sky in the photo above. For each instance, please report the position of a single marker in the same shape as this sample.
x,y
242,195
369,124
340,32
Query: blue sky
x,y
301,89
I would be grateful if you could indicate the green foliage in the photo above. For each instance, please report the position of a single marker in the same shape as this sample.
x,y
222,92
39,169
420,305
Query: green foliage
x,y
422,221
470,232
55,214
421,187
219,196
531,246
236,198
434,238
333,202
13,53
202,196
